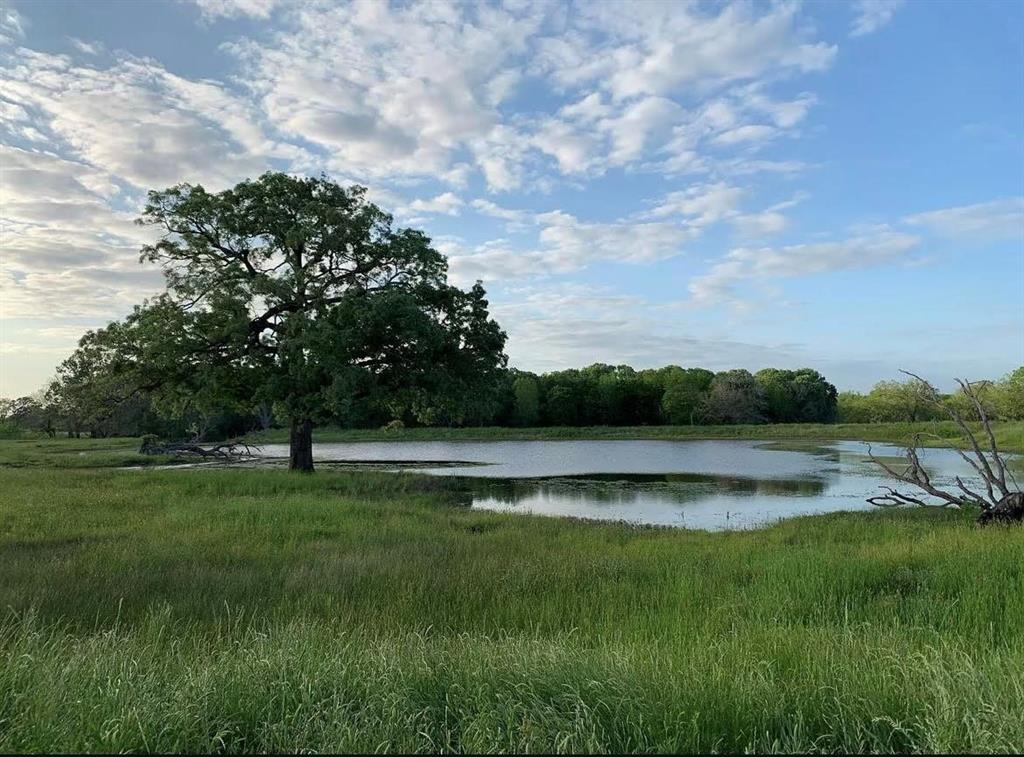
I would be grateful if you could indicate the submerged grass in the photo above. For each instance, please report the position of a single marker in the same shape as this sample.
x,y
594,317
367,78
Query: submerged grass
x,y
231,610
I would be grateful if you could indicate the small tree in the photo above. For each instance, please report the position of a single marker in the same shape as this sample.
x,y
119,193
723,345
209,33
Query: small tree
x,y
1002,499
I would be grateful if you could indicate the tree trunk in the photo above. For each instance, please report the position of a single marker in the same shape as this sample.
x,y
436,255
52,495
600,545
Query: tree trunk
x,y
1010,509
300,448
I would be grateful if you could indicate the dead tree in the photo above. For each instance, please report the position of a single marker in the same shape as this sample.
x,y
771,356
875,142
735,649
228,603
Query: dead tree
x,y
1001,500
228,451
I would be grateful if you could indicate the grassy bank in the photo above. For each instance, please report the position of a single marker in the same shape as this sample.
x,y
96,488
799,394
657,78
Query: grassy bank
x,y
43,452
1009,435
263,611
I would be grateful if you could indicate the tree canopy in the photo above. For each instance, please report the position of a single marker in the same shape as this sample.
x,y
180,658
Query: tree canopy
x,y
301,294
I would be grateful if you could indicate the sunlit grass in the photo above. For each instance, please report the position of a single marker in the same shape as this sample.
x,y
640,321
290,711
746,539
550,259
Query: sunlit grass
x,y
264,611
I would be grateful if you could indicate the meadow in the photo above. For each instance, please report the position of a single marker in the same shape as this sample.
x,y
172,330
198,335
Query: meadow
x,y
258,610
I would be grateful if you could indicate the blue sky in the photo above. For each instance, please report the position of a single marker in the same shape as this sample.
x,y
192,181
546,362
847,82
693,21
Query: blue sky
x,y
838,185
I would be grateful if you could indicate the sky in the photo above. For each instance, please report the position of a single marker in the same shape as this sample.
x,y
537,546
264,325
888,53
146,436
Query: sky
x,y
837,185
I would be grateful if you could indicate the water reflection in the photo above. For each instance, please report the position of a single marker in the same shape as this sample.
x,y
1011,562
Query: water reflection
x,y
692,500
626,487
708,484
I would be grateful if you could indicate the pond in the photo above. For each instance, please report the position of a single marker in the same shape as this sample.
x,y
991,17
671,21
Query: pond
x,y
707,484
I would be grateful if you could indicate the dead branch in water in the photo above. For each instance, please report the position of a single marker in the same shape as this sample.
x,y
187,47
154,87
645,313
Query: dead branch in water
x,y
997,502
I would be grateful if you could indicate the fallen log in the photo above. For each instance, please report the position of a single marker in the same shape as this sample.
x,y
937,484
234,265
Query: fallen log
x,y
231,450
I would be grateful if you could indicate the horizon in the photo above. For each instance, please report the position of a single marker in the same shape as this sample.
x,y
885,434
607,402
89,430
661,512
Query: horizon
x,y
717,185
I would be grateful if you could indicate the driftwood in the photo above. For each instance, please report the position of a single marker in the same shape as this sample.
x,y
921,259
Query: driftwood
x,y
231,450
1001,500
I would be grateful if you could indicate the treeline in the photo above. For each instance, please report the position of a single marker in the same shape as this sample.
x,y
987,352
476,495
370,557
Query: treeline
x,y
901,401
98,404
598,395
605,395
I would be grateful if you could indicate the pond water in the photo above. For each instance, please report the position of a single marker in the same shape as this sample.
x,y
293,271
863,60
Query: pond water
x,y
707,484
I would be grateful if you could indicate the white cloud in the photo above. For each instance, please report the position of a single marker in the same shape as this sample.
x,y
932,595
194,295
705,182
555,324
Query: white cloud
x,y
699,205
872,15
746,133
551,327
985,221
515,219
66,252
761,224
744,263
89,48
11,22
565,244
575,150
394,90
768,221
213,9
662,47
406,90
447,203
644,121
141,123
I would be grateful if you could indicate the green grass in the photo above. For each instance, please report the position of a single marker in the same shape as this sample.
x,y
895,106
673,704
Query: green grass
x,y
230,610
75,453
1009,435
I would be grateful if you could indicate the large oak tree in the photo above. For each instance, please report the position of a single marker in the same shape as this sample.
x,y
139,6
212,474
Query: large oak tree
x,y
301,293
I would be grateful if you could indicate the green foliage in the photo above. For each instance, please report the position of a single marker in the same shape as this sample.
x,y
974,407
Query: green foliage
x,y
291,293
734,397
527,399
35,413
253,611
299,292
901,401
685,389
1010,395
801,396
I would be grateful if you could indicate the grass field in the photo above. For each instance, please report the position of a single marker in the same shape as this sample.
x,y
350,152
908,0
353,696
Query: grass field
x,y
230,610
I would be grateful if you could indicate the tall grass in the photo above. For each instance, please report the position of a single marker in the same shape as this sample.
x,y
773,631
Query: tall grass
x,y
238,610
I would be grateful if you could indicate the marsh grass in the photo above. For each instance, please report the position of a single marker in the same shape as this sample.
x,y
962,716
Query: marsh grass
x,y
75,453
230,610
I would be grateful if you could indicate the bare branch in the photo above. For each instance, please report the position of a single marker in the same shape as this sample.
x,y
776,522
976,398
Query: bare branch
x,y
916,475
991,472
989,477
968,390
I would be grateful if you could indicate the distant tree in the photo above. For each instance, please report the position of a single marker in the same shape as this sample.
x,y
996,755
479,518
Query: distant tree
x,y
1009,397
685,391
527,394
95,385
800,396
299,292
853,407
816,399
734,397
781,403
561,407
30,413
899,401
985,391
